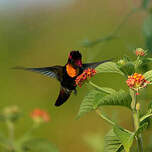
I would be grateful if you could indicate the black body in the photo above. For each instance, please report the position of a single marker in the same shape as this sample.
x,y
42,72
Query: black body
x,y
60,73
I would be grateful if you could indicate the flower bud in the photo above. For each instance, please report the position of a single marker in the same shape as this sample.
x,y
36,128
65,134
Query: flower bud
x,y
138,106
11,113
121,62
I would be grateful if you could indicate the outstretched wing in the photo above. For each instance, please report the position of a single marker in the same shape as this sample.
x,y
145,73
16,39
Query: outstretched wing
x,y
54,71
63,96
93,65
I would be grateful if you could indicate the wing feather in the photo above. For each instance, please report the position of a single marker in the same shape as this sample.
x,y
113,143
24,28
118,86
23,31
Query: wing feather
x,y
93,65
53,72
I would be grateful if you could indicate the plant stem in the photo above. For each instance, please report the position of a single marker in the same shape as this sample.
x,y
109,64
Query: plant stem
x,y
112,35
29,132
108,120
103,89
11,135
136,120
95,86
105,118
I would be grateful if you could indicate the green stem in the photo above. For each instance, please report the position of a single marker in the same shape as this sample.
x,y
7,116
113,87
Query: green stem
x,y
108,120
95,86
105,118
30,131
103,89
112,35
136,120
11,135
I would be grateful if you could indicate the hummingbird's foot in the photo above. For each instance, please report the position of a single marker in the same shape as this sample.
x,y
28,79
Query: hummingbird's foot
x,y
75,91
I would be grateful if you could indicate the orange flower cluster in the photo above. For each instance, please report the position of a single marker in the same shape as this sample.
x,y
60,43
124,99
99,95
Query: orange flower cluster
x,y
39,115
136,82
140,52
86,75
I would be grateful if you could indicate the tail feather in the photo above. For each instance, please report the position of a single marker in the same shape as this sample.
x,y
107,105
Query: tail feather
x,y
63,96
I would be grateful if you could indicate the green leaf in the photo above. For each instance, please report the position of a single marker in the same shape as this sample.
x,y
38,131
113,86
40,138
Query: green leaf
x,y
147,29
149,59
125,137
147,115
145,3
128,68
148,75
141,128
112,143
119,98
89,101
39,145
96,98
102,89
108,67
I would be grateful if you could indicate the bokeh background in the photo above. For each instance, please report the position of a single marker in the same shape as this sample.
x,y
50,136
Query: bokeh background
x,y
35,33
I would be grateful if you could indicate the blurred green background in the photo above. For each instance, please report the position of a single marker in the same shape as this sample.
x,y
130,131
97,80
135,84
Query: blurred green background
x,y
36,33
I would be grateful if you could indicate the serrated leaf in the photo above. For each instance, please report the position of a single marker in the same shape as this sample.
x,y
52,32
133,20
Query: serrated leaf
x,y
145,3
128,68
95,99
126,138
148,75
39,145
112,143
109,67
147,29
89,101
119,98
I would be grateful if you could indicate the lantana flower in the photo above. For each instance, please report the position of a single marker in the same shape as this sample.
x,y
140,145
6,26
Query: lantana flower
x,y
11,113
85,76
140,52
137,82
39,116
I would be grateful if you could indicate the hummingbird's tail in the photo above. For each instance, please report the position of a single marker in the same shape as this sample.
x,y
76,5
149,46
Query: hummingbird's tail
x,y
63,96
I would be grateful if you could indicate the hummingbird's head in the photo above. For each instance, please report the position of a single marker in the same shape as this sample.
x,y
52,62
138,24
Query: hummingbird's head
x,y
75,58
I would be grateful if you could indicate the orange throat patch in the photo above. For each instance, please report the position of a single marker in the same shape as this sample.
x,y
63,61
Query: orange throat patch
x,y
71,71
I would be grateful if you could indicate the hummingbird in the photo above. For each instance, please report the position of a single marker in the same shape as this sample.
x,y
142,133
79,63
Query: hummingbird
x,y
66,74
